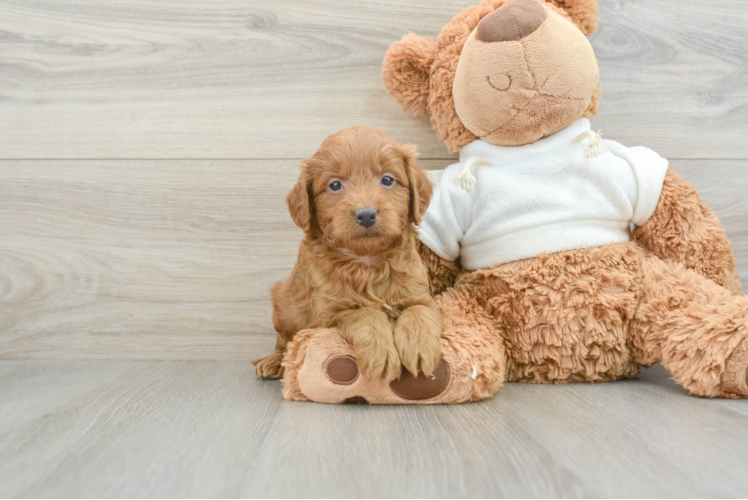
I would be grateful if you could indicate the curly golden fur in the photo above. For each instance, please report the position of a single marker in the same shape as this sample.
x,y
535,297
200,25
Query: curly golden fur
x,y
367,282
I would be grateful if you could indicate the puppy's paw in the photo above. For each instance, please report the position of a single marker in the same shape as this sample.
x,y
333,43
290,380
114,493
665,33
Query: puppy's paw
x,y
377,358
370,332
417,335
269,366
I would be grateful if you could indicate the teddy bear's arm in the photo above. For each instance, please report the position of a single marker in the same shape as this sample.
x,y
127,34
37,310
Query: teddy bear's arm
x,y
684,229
442,273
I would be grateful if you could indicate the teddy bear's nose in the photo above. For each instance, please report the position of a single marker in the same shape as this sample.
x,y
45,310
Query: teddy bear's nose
x,y
512,21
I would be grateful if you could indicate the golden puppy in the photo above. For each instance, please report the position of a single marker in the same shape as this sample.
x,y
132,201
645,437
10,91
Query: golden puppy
x,y
358,269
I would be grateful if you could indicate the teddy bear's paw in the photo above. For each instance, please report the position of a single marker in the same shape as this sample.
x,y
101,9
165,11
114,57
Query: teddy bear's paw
x,y
735,378
269,366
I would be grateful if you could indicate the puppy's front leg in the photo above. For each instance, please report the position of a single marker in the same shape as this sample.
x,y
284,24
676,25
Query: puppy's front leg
x,y
417,335
370,332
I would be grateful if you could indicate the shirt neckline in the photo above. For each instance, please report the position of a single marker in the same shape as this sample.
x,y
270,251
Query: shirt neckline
x,y
506,154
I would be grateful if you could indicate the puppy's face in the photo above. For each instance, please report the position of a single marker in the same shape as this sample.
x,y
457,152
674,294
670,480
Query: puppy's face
x,y
359,191
362,195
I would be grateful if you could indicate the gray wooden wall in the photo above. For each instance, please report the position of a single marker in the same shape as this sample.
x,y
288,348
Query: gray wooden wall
x,y
146,148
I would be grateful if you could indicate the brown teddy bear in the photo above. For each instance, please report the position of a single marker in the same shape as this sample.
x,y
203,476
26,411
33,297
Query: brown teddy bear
x,y
556,256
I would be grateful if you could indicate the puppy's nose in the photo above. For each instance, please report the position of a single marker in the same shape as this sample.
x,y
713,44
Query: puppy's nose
x,y
511,21
366,216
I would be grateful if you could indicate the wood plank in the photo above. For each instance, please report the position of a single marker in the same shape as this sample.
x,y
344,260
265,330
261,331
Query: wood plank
x,y
212,429
157,429
674,76
269,79
18,381
175,259
138,259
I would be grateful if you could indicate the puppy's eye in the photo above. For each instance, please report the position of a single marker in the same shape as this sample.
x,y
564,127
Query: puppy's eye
x,y
335,186
387,181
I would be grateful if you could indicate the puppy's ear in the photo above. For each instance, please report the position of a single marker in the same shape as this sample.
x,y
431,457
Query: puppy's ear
x,y
300,200
419,184
406,72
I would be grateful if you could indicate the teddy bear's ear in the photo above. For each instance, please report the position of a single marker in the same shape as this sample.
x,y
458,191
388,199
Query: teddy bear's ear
x,y
406,70
583,13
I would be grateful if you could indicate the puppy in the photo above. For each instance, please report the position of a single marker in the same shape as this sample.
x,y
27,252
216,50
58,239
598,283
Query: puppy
x,y
357,200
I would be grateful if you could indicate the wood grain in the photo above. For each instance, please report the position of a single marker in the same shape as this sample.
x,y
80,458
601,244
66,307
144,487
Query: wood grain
x,y
212,429
261,79
175,259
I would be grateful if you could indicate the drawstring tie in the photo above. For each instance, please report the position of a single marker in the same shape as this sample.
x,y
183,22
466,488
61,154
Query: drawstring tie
x,y
466,180
595,145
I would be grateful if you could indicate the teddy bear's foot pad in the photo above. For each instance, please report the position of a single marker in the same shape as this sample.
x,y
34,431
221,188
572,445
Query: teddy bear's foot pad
x,y
356,400
343,370
422,387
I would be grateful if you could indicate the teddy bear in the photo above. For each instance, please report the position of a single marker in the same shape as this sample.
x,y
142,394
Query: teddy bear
x,y
555,256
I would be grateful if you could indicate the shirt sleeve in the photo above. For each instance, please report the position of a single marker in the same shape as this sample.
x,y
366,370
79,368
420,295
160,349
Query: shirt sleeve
x,y
649,170
440,228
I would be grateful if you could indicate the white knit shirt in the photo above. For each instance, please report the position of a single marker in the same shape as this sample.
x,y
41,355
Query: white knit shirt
x,y
543,197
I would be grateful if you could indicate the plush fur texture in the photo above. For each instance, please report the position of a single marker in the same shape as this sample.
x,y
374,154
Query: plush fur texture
x,y
367,282
689,324
409,72
683,229
442,273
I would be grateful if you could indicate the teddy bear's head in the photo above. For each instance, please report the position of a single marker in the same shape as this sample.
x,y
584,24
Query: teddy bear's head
x,y
508,72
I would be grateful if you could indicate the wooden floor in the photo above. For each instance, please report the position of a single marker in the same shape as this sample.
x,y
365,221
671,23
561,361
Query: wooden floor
x,y
145,151
211,429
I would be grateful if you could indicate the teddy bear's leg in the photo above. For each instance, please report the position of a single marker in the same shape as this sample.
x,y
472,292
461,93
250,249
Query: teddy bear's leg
x,y
320,365
697,329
